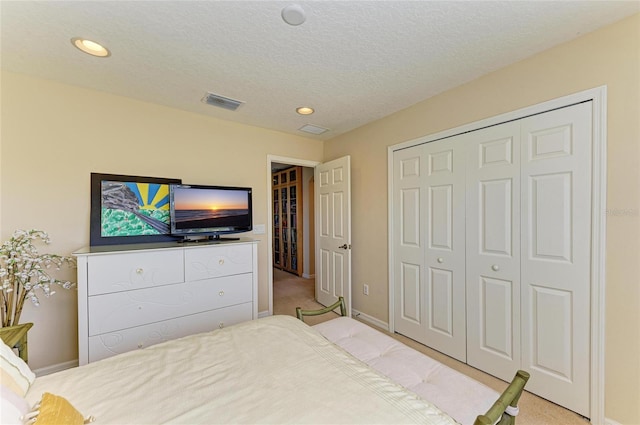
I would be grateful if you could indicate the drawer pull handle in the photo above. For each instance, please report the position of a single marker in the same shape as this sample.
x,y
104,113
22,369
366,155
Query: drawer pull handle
x,y
221,293
221,325
139,271
221,261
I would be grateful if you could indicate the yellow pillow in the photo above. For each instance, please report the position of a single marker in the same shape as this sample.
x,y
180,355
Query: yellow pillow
x,y
56,410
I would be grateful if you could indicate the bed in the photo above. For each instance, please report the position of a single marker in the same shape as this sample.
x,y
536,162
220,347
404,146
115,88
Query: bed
x,y
274,370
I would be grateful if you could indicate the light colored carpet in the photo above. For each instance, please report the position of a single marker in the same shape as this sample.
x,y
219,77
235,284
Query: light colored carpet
x,y
290,291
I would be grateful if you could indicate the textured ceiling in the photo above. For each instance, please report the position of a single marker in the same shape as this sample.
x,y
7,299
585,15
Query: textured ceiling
x,y
353,61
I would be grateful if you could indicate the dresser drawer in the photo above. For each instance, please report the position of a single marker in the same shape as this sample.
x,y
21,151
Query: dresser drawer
x,y
124,272
223,260
107,345
122,310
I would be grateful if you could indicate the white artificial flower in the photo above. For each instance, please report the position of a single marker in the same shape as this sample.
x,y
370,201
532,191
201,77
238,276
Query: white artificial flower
x,y
22,272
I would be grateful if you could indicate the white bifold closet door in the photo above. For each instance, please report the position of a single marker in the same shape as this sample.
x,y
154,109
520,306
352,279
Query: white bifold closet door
x,y
429,239
556,262
528,252
409,237
492,249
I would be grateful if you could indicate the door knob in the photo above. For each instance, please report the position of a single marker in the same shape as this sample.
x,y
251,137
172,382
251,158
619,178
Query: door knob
x,y
495,267
440,260
345,246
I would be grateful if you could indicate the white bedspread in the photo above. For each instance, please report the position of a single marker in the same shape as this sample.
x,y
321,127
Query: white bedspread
x,y
274,370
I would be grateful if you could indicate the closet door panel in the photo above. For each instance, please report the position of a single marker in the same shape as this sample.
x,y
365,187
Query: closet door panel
x,y
495,217
493,249
445,248
496,331
556,243
550,226
409,239
441,296
410,275
410,294
410,216
441,214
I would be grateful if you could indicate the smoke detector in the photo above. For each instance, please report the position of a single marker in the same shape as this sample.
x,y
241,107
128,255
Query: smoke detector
x,y
293,14
221,101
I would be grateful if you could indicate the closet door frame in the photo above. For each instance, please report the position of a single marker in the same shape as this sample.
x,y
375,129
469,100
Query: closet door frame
x,y
598,97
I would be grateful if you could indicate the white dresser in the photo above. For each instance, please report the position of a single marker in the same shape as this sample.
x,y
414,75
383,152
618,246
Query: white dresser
x,y
134,296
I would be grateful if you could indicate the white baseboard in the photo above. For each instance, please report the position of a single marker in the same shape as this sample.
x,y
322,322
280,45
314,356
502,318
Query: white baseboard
x,y
608,421
365,317
308,276
262,314
56,368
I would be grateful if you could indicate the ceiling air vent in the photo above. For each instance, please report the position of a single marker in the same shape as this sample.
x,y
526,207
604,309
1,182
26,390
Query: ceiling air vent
x,y
313,129
221,101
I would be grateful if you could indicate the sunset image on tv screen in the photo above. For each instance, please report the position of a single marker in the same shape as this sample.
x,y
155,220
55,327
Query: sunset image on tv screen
x,y
208,208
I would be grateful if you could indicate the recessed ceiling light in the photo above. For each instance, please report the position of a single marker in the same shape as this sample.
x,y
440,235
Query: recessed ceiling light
x,y
305,110
90,47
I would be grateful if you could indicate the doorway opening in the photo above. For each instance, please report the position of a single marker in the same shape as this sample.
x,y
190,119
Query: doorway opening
x,y
291,232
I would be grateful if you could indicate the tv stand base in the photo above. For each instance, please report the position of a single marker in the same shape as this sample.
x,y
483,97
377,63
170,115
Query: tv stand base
x,y
212,238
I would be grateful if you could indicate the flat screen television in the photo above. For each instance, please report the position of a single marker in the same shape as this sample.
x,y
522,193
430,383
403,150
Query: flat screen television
x,y
209,211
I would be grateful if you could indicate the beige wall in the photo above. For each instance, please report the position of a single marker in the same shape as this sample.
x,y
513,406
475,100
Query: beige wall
x,y
610,56
53,136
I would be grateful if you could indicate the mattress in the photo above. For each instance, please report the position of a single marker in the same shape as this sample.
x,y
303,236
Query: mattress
x,y
274,370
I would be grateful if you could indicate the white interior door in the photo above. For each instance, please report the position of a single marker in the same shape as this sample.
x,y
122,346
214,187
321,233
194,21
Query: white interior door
x,y
493,249
333,231
556,261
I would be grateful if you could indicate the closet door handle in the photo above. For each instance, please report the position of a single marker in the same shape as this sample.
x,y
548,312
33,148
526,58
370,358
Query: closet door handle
x,y
440,260
495,267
